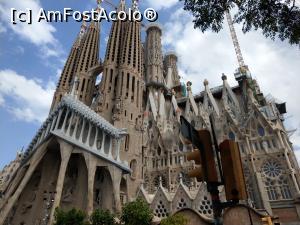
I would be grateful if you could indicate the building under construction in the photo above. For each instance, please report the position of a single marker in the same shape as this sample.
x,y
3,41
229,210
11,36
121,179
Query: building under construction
x,y
106,144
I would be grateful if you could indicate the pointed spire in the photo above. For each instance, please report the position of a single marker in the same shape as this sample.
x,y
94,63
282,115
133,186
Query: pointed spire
x,y
71,65
135,5
160,182
82,29
121,6
180,179
209,98
191,98
96,24
228,93
89,55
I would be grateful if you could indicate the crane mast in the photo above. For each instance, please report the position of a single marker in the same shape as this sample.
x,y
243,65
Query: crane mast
x,y
235,40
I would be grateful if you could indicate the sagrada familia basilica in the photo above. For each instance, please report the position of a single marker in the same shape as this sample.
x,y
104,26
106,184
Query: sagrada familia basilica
x,y
104,144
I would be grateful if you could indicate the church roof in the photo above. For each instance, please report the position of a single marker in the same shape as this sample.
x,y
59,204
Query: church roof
x,y
90,115
70,102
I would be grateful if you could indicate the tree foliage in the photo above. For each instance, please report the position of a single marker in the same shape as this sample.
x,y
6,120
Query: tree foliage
x,y
136,213
133,213
102,217
276,18
177,219
72,217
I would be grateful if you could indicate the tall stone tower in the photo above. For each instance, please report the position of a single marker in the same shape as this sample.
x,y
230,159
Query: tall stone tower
x,y
82,66
88,64
120,97
74,160
70,68
120,139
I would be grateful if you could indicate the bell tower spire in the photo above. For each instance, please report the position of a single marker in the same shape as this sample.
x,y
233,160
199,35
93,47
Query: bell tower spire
x,y
88,61
70,68
111,76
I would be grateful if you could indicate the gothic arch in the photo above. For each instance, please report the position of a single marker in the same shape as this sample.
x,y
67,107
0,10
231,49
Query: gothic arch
x,y
133,167
123,191
277,182
33,203
181,199
75,183
103,194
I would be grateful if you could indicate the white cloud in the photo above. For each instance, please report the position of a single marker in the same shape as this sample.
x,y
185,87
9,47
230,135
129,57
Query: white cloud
x,y
40,34
200,56
2,28
30,99
297,153
159,4
2,101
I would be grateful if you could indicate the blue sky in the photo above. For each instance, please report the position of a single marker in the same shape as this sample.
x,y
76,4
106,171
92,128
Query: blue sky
x,y
32,56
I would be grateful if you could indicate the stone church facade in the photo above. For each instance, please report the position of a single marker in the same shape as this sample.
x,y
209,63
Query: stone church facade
x,y
104,144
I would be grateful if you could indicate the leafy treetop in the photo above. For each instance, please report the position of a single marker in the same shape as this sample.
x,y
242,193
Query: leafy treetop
x,y
276,18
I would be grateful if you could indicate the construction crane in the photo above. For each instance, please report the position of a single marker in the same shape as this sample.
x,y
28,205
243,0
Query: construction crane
x,y
235,40
243,70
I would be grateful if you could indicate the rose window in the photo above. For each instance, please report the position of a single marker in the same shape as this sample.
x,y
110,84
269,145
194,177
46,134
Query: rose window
x,y
272,169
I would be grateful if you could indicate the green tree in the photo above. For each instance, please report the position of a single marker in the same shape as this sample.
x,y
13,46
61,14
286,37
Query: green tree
x,y
136,213
177,219
102,217
276,18
72,217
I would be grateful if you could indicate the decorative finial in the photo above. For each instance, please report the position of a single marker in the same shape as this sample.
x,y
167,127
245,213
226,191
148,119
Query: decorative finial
x,y
135,4
205,82
160,181
180,178
224,77
83,28
99,5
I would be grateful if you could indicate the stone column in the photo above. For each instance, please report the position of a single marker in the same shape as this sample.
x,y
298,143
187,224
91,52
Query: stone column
x,y
58,119
118,145
65,152
53,123
96,138
65,120
292,170
91,164
76,127
110,155
70,124
82,130
262,192
116,175
102,144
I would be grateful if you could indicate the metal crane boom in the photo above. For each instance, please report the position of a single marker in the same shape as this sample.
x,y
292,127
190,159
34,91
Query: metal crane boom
x,y
235,40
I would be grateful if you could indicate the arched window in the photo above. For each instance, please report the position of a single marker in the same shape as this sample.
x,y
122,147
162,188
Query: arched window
x,y
276,183
284,188
158,151
271,189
